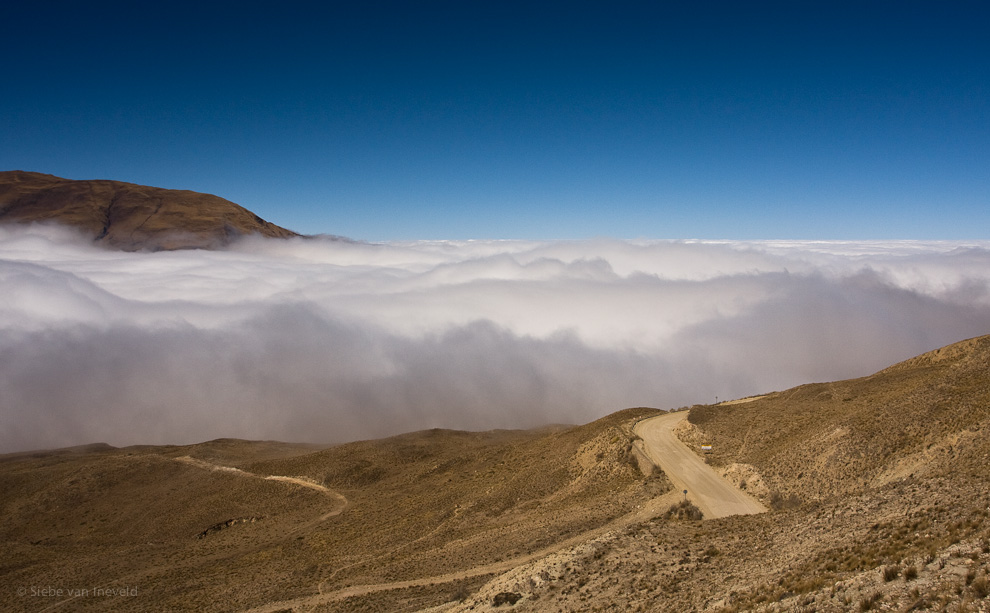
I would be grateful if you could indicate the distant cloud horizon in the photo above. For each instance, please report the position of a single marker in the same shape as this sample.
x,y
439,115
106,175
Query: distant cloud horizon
x,y
321,340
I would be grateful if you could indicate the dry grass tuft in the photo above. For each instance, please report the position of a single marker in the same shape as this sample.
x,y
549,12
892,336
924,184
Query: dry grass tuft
x,y
891,572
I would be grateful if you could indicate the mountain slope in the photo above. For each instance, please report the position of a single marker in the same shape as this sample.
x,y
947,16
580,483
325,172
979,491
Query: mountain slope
x,y
128,216
879,491
203,527
926,417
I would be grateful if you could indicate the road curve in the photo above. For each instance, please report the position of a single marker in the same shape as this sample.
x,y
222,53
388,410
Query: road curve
x,y
712,494
715,496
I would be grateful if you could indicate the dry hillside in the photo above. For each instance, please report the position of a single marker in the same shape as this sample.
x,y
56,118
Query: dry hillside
x,y
926,417
191,535
128,216
880,491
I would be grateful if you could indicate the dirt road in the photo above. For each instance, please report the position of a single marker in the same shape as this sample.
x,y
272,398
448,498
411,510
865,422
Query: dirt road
x,y
715,496
302,481
645,512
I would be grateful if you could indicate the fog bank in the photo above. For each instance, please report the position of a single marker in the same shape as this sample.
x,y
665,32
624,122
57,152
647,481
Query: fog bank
x,y
324,340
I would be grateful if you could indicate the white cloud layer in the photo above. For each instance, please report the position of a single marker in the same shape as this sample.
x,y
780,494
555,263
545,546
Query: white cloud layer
x,y
327,341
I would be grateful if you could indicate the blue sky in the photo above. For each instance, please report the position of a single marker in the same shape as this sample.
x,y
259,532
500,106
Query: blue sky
x,y
432,120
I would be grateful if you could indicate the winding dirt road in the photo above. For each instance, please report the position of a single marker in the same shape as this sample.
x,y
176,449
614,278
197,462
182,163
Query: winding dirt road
x,y
712,494
715,496
258,546
301,481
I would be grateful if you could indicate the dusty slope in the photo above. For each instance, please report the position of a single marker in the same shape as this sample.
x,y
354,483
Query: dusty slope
x,y
468,499
118,517
128,216
927,416
880,499
419,505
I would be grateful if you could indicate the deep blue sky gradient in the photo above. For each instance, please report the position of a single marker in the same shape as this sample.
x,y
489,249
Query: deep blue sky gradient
x,y
423,120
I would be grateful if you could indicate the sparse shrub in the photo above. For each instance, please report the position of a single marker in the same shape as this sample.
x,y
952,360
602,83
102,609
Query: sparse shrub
x,y
919,603
461,593
684,509
910,573
980,587
779,502
700,413
509,598
867,603
890,572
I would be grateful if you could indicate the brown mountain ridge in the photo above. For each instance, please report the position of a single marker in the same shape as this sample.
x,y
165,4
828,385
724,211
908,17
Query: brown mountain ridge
x,y
128,216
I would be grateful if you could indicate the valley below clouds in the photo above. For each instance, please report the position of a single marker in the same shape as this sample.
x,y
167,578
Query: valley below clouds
x,y
326,340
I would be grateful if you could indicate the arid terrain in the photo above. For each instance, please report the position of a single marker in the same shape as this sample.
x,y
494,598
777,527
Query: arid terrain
x,y
127,216
876,489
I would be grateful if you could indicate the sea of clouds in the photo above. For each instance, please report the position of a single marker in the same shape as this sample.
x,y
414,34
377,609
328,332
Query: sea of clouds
x,y
327,340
